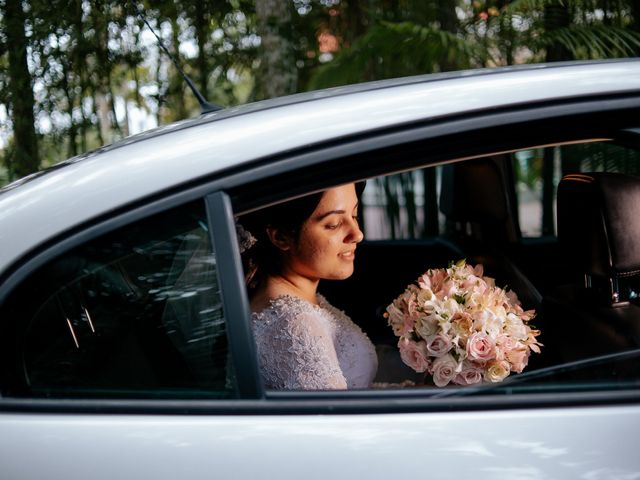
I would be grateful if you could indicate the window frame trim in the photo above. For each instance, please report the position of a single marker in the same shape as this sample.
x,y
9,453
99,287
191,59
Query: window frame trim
x,y
235,304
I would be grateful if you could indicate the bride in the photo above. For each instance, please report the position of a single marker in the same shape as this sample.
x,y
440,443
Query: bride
x,y
303,342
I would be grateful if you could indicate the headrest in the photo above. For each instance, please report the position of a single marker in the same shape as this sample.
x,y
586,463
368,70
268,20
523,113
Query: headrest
x,y
476,194
473,191
599,223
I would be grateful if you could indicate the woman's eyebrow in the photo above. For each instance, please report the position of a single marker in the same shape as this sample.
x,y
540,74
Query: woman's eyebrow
x,y
332,212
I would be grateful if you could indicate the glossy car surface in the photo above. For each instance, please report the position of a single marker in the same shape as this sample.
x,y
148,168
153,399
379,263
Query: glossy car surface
x,y
81,236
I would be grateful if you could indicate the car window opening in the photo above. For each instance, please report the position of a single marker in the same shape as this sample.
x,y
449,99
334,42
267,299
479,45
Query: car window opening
x,y
477,210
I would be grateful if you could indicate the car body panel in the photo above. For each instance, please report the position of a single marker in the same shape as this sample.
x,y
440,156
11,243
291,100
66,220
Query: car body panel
x,y
53,203
593,443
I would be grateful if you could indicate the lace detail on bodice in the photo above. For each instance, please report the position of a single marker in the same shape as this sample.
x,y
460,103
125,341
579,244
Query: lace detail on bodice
x,y
302,346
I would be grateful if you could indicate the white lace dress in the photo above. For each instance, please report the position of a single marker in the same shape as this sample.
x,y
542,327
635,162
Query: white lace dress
x,y
302,346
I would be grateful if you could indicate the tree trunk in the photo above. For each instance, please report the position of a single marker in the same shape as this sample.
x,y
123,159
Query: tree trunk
x,y
25,157
448,21
104,118
70,98
556,16
635,23
97,114
176,83
430,202
277,75
202,24
355,20
507,34
548,225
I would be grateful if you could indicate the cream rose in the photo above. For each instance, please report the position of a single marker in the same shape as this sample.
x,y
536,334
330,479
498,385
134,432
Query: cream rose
x,y
427,326
462,325
497,371
515,328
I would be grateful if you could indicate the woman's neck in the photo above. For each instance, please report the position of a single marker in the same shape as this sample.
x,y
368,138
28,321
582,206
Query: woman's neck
x,y
275,286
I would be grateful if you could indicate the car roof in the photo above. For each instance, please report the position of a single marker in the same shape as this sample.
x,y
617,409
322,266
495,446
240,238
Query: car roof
x,y
44,205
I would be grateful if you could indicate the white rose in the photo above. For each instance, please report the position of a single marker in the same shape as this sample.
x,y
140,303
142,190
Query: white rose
x,y
515,328
426,326
493,325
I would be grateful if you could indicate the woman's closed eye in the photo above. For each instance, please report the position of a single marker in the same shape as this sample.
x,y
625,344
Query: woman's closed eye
x,y
337,224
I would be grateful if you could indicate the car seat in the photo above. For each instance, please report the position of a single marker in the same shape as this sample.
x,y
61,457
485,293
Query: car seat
x,y
478,202
599,231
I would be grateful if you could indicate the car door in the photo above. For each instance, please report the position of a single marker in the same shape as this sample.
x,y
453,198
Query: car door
x,y
117,361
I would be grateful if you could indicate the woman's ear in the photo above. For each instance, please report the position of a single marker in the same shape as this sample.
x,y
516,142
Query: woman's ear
x,y
281,240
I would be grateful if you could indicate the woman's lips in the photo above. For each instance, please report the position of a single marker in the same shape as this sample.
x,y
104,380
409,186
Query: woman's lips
x,y
348,255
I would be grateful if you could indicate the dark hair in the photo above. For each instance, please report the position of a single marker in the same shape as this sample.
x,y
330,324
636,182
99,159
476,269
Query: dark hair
x,y
263,258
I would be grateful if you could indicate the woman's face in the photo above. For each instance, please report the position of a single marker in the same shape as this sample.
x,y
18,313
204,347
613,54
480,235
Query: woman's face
x,y
325,248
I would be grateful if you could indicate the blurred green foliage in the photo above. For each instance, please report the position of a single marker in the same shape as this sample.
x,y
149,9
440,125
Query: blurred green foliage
x,y
96,74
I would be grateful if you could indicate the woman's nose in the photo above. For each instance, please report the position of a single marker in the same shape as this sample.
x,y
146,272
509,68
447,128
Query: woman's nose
x,y
355,235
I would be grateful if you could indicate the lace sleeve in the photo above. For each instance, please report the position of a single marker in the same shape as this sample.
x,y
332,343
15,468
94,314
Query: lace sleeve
x,y
296,352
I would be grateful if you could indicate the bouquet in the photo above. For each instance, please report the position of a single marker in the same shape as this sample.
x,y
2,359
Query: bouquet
x,y
457,326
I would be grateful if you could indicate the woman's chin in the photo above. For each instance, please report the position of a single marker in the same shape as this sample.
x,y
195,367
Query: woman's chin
x,y
343,274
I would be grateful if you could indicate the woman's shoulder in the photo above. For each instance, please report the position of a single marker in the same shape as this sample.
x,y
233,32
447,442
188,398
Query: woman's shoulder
x,y
339,317
292,323
285,309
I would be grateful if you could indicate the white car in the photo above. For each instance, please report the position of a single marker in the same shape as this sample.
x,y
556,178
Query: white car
x,y
125,341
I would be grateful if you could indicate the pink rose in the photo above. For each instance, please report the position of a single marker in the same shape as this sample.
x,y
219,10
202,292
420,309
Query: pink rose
x,y
444,369
480,347
438,345
504,344
414,354
469,374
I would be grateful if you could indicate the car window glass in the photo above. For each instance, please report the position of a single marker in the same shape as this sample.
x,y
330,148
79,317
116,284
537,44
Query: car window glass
x,y
403,206
134,313
538,171
431,218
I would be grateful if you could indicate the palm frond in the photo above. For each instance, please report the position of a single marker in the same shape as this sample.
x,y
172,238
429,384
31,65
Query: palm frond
x,y
520,6
596,41
394,49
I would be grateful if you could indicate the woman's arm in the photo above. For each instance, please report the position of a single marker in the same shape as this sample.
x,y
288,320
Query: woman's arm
x,y
298,354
